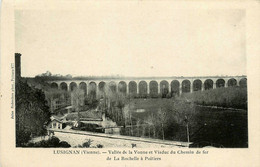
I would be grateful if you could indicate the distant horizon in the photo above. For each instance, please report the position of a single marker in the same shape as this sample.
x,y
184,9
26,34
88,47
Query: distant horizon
x,y
123,76
127,77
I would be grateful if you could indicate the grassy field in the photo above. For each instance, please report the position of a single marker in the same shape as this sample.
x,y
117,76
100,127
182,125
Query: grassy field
x,y
234,97
151,105
209,126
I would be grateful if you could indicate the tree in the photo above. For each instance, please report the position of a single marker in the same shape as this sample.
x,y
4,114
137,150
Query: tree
x,y
162,117
115,104
32,112
184,114
151,123
53,95
47,73
138,122
120,104
77,100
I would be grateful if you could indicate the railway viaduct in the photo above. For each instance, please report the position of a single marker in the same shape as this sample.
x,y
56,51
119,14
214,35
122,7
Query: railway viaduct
x,y
150,86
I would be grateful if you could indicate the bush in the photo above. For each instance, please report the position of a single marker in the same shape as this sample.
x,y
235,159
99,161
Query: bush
x,y
64,144
22,137
52,142
91,103
100,146
87,143
42,143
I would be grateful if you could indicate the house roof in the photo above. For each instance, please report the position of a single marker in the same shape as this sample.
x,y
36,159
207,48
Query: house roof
x,y
60,121
55,117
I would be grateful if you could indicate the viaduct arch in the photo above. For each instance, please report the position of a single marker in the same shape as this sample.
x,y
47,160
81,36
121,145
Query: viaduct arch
x,y
152,87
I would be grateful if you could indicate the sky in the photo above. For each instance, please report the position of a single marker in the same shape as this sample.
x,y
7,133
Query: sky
x,y
131,40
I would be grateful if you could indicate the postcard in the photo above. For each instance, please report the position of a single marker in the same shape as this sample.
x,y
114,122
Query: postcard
x,y
130,83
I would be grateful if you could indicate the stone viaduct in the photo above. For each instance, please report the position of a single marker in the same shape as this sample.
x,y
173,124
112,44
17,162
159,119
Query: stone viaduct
x,y
150,86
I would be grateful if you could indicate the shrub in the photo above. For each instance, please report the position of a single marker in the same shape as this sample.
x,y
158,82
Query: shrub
x,y
54,141
22,137
43,143
87,143
30,145
64,144
100,146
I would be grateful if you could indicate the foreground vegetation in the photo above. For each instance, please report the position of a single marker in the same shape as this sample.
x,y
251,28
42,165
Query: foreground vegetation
x,y
32,113
50,143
